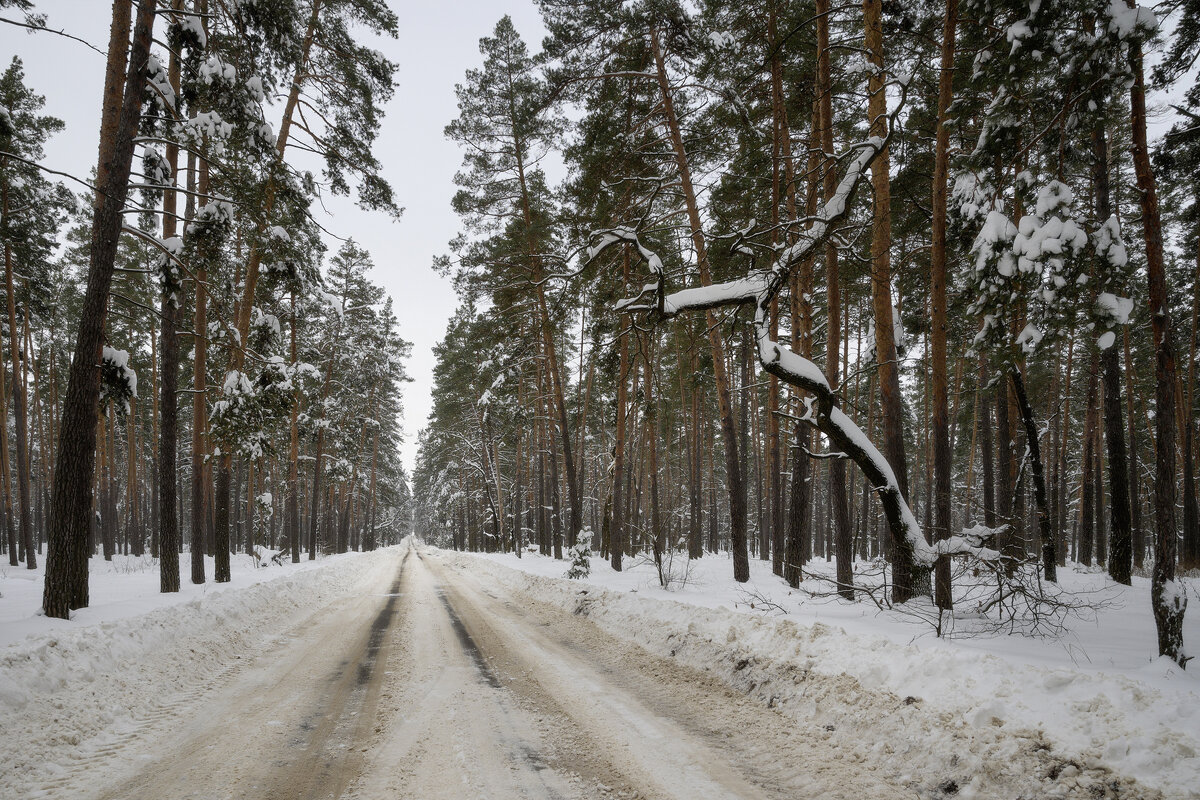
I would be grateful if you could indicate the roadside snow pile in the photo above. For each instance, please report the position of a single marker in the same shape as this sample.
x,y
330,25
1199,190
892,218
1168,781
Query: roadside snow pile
x,y
70,689
1125,719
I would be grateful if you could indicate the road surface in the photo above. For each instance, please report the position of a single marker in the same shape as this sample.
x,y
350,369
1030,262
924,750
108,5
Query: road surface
x,y
433,686
428,687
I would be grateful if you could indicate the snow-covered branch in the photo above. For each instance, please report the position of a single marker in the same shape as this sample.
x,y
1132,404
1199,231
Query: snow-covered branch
x,y
760,287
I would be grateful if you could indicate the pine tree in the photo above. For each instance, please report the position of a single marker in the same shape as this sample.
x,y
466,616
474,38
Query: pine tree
x,y
66,561
29,219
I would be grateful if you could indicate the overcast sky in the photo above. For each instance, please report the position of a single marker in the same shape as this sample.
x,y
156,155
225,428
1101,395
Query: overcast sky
x,y
438,41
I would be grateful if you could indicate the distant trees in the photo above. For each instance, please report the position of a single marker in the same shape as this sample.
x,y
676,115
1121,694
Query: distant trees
x,y
30,206
985,328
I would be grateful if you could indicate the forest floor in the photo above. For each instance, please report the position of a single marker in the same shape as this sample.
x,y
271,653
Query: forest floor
x,y
417,673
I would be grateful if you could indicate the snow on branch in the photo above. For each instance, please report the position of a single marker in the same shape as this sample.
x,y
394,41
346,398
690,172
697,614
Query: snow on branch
x,y
760,287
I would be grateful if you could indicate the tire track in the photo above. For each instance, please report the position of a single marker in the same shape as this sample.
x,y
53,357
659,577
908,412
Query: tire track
x,y
286,724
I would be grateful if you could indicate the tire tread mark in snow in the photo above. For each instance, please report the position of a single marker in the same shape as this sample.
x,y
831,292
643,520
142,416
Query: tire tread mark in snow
x,y
468,644
146,723
326,771
464,638
324,752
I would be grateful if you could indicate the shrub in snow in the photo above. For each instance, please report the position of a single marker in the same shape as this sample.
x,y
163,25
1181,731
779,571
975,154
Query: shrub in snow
x,y
675,566
580,555
263,557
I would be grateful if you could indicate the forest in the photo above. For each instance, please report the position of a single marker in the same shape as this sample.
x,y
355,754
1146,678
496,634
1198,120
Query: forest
x,y
594,399
190,368
947,243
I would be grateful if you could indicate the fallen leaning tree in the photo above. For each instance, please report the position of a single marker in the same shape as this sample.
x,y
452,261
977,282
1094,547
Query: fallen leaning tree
x,y
822,408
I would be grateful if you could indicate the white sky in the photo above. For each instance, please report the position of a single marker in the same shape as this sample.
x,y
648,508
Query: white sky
x,y
438,41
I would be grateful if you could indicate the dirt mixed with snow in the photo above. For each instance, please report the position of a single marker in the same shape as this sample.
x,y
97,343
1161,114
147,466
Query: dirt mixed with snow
x,y
72,693
962,716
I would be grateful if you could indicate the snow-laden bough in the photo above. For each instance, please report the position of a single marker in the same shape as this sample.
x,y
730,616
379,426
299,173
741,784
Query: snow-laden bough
x,y
760,288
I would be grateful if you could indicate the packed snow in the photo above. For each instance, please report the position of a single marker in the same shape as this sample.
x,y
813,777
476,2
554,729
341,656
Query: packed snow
x,y
69,689
1097,695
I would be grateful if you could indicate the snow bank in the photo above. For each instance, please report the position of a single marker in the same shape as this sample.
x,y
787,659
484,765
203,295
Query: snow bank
x,y
71,690
1122,713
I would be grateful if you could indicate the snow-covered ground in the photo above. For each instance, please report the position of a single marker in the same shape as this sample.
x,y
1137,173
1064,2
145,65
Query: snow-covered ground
x,y
1097,695
89,700
70,692
122,588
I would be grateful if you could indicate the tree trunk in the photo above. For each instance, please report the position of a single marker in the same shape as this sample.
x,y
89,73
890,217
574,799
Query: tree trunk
x,y
1087,525
1049,563
799,538
696,460
985,448
1060,467
651,416
370,542
168,509
891,400
617,530
293,484
155,386
199,407
1189,556
66,582
737,492
1120,561
555,504
16,543
938,345
1135,506
19,405
1167,598
839,506
131,482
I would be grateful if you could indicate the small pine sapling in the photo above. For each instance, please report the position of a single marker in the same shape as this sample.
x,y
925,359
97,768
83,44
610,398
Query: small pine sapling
x,y
581,555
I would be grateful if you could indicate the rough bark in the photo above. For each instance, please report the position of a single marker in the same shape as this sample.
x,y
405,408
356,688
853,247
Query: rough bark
x,y
650,418
1120,557
617,530
66,583
293,484
20,416
938,333
737,492
985,454
836,475
1135,507
1167,597
199,409
1189,554
891,401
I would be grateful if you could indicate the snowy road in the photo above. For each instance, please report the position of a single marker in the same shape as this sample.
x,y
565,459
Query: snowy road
x,y
431,681
430,689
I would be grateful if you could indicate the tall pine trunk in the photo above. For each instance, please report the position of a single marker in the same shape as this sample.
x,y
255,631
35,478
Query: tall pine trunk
x,y
836,474
1120,557
200,406
1167,597
737,491
66,583
891,401
19,409
293,479
937,293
